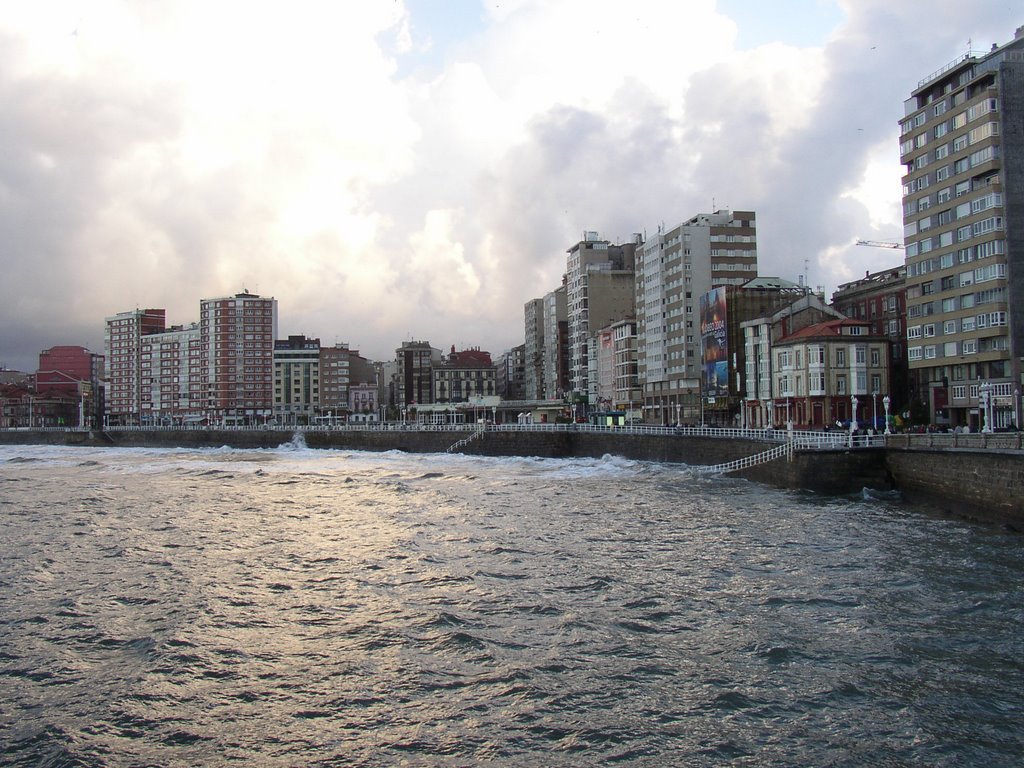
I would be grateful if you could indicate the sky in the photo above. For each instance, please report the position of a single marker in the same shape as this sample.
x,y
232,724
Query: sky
x,y
394,170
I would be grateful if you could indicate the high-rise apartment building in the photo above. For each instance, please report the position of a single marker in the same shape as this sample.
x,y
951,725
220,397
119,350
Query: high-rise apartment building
x,y
962,147
533,371
172,376
599,292
238,334
556,344
123,344
674,268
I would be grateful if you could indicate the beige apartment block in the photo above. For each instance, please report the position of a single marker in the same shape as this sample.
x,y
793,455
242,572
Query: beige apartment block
x,y
962,148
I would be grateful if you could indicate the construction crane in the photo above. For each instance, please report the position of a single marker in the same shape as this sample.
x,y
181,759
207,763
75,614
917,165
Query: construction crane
x,y
880,243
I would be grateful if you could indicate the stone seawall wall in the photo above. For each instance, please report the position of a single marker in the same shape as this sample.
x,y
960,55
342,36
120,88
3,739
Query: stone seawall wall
x,y
836,472
984,485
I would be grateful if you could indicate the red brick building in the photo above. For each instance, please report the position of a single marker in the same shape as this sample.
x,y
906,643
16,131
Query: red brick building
x,y
237,339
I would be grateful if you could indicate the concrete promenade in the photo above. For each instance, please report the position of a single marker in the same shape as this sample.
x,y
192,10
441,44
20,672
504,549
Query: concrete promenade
x,y
979,476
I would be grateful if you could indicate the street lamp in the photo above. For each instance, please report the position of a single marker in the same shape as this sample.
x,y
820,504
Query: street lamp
x,y
985,397
853,419
874,411
885,405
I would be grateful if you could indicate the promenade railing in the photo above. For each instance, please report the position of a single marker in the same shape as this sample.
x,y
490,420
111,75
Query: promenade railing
x,y
801,439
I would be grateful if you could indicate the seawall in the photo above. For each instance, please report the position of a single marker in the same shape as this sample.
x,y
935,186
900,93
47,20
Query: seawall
x,y
982,484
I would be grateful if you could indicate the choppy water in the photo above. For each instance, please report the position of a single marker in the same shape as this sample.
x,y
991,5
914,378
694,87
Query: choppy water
x,y
294,607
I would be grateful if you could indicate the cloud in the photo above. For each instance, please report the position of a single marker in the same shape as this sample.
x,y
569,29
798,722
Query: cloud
x,y
384,188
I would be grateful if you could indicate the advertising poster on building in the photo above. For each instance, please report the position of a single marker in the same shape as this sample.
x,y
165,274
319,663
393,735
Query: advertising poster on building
x,y
714,344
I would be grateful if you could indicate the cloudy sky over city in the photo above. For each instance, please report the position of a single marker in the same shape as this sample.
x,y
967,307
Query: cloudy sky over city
x,y
416,169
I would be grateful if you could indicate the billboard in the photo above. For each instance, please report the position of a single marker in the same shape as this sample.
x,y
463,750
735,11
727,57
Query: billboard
x,y
714,344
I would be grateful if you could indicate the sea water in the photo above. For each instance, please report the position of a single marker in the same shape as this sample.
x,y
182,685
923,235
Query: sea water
x,y
295,607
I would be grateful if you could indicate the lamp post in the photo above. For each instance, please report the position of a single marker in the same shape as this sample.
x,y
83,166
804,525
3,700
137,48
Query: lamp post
x,y
885,405
874,411
984,398
853,418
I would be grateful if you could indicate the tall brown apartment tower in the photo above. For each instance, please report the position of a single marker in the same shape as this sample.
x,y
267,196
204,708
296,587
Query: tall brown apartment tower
x,y
238,334
962,148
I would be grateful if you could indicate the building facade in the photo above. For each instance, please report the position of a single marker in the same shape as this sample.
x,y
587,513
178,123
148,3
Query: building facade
x,y
674,268
556,345
464,376
238,334
172,370
759,336
363,402
511,371
76,372
614,368
533,363
880,299
599,291
123,345
296,380
414,377
963,211
827,374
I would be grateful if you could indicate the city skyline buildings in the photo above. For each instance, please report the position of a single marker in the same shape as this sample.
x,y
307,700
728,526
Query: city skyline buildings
x,y
187,183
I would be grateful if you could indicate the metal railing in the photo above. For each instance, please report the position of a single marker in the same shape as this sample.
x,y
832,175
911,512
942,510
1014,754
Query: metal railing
x,y
786,449
803,440
467,440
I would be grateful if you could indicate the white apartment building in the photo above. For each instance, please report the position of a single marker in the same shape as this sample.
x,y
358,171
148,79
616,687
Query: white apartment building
x,y
171,366
123,347
674,268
